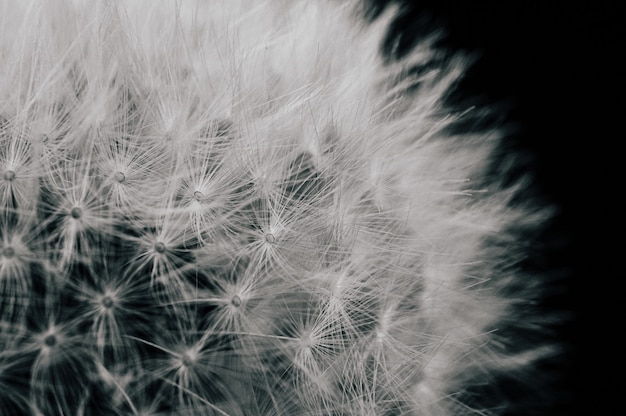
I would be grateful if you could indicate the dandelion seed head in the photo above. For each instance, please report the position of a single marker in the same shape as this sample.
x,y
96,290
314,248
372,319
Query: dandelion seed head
x,y
229,264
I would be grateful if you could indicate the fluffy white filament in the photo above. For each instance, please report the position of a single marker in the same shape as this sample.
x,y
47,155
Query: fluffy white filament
x,y
238,207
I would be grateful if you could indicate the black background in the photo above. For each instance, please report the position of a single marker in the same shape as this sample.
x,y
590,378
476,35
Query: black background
x,y
553,67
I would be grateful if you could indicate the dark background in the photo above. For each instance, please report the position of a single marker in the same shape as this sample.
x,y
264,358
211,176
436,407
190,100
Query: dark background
x,y
552,67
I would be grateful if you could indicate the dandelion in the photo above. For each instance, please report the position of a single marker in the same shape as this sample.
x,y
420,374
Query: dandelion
x,y
130,174
18,187
311,343
279,238
162,254
236,209
210,191
240,302
62,370
194,371
114,307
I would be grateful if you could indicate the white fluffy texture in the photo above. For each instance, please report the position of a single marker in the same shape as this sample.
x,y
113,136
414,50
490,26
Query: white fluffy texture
x,y
366,291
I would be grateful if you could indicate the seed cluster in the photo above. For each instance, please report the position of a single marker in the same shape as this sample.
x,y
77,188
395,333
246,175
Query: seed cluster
x,y
198,217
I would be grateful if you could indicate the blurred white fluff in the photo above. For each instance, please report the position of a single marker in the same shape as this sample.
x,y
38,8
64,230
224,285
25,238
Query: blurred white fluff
x,y
369,285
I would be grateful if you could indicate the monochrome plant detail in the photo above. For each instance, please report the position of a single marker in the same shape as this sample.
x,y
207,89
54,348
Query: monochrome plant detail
x,y
243,208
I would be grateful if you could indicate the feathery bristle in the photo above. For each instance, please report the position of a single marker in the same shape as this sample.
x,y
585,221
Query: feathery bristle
x,y
238,208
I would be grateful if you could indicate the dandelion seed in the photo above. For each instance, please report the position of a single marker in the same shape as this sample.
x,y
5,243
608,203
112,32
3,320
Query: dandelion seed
x,y
211,192
62,372
135,171
17,268
281,238
161,254
20,173
194,370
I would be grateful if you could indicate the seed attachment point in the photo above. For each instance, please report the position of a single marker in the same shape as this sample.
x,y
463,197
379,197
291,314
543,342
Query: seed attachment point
x,y
119,177
235,301
50,340
76,213
198,196
107,302
159,247
188,359
8,252
306,341
9,175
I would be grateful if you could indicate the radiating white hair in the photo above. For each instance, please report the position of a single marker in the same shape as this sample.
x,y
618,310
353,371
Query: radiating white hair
x,y
241,208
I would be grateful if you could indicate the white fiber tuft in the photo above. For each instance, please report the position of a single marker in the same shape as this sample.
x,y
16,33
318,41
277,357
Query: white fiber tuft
x,y
244,208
